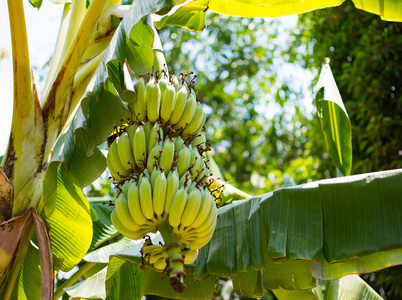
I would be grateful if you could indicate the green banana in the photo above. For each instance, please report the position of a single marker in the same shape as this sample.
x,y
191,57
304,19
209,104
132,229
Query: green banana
x,y
115,161
159,193
179,104
153,157
171,189
192,207
122,229
126,153
183,160
134,205
146,198
167,156
123,212
188,113
140,103
153,99
139,147
154,175
177,207
131,131
207,201
147,128
199,141
196,121
155,137
167,104
163,83
178,143
112,171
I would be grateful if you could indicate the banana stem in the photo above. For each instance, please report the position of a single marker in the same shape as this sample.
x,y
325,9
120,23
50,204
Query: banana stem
x,y
159,56
73,279
166,231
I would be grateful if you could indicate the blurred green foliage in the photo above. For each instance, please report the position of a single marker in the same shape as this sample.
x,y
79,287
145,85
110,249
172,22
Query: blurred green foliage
x,y
252,87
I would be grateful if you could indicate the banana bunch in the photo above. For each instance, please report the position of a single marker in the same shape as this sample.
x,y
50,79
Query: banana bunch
x,y
162,177
144,147
164,99
182,210
158,256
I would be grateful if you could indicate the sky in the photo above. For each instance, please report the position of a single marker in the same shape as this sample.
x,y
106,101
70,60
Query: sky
x,y
42,29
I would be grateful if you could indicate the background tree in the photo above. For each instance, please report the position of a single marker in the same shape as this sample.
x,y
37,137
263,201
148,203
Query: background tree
x,y
257,121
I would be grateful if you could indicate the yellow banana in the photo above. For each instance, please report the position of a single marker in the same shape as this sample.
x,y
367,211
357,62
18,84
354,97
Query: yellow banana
x,y
177,207
115,161
171,188
179,104
123,212
167,103
122,229
159,193
188,113
139,147
204,227
166,159
183,160
140,104
196,120
192,207
189,256
134,205
152,250
160,264
146,198
155,137
153,98
126,153
153,157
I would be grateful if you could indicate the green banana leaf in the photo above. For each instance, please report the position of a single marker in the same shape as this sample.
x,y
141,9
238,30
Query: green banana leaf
x,y
347,287
389,10
103,229
190,16
299,242
334,119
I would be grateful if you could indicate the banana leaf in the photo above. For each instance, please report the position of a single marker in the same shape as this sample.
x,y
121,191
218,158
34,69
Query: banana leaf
x,y
301,242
